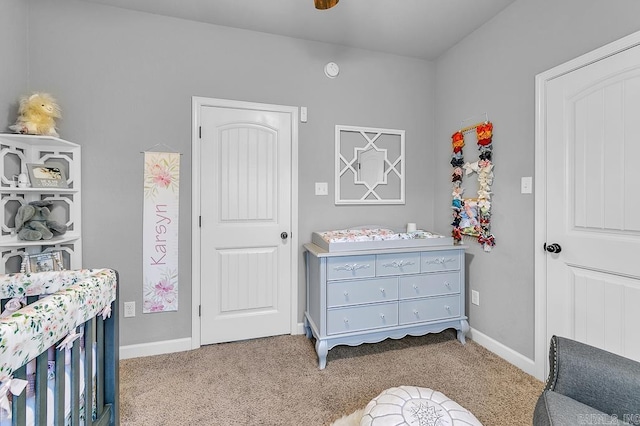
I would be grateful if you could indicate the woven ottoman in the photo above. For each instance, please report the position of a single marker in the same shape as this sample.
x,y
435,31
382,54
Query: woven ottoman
x,y
414,406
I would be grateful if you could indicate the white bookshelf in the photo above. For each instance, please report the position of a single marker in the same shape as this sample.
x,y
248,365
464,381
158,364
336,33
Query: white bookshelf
x,y
15,152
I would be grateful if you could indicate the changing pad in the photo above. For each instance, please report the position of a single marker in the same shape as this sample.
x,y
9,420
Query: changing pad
x,y
375,238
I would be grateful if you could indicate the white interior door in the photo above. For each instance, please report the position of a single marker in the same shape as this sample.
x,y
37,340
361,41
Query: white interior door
x,y
592,144
246,253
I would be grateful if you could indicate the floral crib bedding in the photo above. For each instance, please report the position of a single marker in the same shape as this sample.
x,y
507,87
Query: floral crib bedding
x,y
5,416
67,299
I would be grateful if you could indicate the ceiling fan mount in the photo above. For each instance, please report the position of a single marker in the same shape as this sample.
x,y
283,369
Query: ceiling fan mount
x,y
325,4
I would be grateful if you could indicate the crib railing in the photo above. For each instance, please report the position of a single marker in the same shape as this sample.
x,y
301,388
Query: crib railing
x,y
83,364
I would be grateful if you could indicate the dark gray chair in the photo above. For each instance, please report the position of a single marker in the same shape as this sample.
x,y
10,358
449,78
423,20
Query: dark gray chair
x,y
588,386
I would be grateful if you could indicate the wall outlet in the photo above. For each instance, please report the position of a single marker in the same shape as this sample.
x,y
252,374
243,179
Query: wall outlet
x,y
475,297
322,188
129,309
526,185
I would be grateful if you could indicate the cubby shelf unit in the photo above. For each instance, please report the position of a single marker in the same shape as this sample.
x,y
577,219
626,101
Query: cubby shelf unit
x,y
16,151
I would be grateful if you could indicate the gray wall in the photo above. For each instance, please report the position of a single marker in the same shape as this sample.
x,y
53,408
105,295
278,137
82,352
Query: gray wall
x,y
13,48
125,80
493,71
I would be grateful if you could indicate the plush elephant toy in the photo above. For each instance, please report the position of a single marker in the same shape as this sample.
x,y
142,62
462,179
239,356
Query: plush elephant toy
x,y
33,224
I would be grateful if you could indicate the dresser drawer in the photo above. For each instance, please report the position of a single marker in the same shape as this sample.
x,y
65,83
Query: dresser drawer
x,y
345,267
345,320
341,293
397,264
429,309
429,284
448,260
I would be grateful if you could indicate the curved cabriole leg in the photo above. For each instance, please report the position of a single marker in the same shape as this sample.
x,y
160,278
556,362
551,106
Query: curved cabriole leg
x,y
464,329
322,351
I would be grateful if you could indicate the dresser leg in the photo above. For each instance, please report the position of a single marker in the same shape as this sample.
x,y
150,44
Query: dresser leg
x,y
321,350
307,328
464,329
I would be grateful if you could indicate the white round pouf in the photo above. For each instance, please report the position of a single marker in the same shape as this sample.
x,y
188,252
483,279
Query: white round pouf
x,y
414,406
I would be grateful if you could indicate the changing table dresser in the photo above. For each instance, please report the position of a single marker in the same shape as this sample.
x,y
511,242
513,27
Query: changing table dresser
x,y
366,296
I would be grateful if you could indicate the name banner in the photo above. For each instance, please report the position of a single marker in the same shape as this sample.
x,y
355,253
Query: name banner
x,y
160,231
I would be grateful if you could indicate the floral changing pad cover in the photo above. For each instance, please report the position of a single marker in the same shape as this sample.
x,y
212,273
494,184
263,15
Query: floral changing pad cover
x,y
371,238
373,234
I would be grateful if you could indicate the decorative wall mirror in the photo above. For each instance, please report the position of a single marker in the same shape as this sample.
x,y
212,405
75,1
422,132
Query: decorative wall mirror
x,y
369,165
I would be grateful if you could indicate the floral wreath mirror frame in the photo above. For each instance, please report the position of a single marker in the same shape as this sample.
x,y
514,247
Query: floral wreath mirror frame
x,y
472,216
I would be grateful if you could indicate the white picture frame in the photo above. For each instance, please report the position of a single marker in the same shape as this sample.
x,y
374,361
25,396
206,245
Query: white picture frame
x,y
42,262
47,175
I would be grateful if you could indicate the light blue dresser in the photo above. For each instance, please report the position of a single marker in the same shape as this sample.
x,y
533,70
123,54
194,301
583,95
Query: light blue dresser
x,y
367,296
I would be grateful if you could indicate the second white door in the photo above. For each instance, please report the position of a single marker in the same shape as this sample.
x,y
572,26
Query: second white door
x,y
592,145
245,206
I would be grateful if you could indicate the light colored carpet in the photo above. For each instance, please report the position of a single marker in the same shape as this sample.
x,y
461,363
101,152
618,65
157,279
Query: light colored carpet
x,y
276,381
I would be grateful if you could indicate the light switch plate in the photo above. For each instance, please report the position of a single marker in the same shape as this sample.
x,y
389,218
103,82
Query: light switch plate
x,y
526,184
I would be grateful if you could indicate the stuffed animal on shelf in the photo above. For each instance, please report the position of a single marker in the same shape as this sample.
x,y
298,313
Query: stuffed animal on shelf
x,y
33,224
37,114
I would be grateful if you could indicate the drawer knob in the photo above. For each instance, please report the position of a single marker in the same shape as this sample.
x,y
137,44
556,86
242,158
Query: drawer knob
x,y
382,316
446,283
447,307
346,320
415,287
346,294
415,312
381,290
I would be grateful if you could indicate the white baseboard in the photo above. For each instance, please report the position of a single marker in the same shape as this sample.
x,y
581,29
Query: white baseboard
x,y
169,346
155,348
522,362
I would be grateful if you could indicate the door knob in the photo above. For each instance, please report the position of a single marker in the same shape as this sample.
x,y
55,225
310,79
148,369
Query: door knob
x,y
553,248
284,235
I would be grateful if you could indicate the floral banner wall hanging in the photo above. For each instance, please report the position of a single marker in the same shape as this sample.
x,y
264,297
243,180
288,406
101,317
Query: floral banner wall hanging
x,y
472,216
160,231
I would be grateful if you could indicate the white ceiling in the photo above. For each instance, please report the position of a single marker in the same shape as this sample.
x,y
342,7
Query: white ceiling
x,y
417,28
